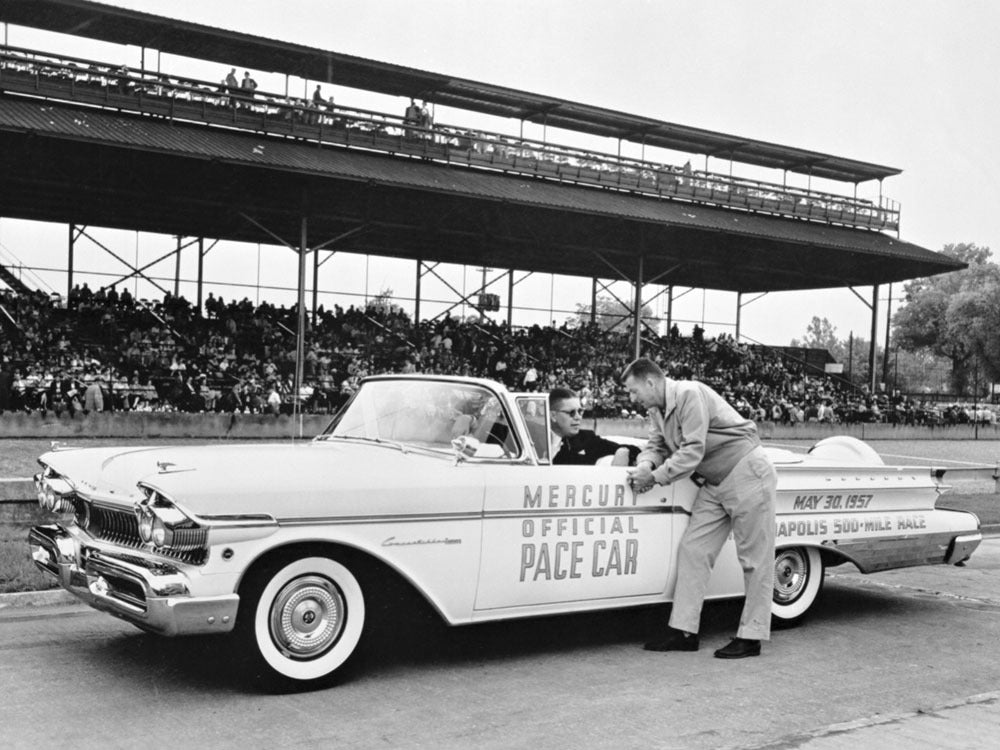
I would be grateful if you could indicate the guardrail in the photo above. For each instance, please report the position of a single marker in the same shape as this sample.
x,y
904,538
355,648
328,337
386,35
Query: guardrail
x,y
17,490
93,83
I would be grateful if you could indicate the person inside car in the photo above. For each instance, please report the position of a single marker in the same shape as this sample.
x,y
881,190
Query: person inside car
x,y
573,445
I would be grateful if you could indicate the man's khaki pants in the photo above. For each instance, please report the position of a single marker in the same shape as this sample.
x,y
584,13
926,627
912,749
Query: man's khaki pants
x,y
744,503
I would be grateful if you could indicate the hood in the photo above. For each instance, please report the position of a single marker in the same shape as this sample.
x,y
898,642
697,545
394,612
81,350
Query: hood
x,y
316,479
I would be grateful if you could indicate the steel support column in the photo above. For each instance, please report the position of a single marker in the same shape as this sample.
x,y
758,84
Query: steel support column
x,y
69,263
740,304
593,300
300,337
885,349
201,273
510,298
637,311
670,307
416,295
177,269
315,304
874,342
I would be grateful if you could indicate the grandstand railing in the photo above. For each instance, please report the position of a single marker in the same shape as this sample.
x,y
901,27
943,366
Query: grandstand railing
x,y
35,73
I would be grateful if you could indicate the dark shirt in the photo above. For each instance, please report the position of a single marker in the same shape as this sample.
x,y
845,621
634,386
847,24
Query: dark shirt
x,y
586,447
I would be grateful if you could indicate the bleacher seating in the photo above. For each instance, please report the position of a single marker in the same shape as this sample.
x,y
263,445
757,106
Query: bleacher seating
x,y
235,356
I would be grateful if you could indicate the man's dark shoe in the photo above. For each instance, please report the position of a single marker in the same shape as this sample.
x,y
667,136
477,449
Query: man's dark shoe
x,y
673,640
739,648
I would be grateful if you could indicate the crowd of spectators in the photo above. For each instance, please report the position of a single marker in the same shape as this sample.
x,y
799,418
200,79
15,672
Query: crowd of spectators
x,y
104,351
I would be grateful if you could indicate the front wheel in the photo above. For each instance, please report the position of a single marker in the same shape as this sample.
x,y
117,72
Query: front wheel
x,y
798,578
300,621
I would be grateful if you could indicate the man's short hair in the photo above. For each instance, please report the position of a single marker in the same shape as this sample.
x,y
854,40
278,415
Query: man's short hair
x,y
642,368
560,394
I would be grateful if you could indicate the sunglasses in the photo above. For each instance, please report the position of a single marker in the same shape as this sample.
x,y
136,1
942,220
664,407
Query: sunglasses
x,y
571,412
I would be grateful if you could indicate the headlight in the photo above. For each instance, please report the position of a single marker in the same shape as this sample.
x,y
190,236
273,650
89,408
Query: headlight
x,y
160,521
40,490
55,494
146,518
161,534
82,515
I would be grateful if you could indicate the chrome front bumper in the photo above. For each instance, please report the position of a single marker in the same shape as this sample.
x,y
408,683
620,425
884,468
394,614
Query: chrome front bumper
x,y
154,596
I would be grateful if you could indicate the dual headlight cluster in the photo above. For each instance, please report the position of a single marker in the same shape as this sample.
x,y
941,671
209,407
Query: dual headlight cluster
x,y
55,494
158,519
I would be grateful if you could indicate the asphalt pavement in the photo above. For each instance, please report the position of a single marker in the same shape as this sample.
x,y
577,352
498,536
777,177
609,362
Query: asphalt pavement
x,y
902,658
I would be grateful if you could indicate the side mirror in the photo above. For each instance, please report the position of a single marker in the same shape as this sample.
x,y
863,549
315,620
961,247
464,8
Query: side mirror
x,y
465,446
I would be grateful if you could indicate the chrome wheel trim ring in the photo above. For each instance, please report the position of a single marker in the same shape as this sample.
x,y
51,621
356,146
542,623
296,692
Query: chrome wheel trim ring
x,y
307,617
791,575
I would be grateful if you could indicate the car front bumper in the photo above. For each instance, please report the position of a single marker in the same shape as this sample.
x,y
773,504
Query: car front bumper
x,y
153,595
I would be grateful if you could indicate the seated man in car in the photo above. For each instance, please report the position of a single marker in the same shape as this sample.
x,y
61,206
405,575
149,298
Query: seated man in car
x,y
572,445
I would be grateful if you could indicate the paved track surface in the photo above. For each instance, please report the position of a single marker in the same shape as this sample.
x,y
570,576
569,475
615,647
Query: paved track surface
x,y
904,658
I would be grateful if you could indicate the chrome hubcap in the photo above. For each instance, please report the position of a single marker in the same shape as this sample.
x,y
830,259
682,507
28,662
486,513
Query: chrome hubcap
x,y
791,573
307,617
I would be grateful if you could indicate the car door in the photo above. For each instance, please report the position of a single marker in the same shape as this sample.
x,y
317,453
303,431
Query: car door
x,y
570,537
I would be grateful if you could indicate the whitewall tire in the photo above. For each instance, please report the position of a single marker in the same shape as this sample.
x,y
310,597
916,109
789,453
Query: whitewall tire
x,y
302,620
798,578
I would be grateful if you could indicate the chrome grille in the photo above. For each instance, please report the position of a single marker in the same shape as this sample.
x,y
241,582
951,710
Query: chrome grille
x,y
121,527
115,526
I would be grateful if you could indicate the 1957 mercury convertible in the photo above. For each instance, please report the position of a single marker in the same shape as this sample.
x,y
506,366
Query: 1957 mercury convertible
x,y
445,484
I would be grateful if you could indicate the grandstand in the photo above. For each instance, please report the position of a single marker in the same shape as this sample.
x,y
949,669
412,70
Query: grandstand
x,y
272,167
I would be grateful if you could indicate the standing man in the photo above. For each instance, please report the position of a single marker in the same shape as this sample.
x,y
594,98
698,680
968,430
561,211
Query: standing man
x,y
572,445
232,86
696,434
247,86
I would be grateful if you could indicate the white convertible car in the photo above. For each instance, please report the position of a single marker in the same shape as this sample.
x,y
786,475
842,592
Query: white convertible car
x,y
443,483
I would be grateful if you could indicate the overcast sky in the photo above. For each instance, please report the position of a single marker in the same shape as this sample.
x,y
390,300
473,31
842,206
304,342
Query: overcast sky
x,y
907,83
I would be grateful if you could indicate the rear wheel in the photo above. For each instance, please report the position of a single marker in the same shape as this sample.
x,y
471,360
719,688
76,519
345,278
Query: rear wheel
x,y
300,621
798,578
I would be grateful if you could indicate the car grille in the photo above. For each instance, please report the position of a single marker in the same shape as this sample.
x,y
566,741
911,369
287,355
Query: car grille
x,y
121,527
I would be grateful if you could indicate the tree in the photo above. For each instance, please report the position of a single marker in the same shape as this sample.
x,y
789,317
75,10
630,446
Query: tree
x,y
954,315
820,334
383,303
852,352
973,317
612,314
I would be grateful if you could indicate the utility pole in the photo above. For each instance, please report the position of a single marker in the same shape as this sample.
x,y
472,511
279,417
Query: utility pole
x,y
850,357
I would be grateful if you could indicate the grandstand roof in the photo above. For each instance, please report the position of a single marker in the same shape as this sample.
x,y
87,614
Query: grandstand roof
x,y
124,26
68,164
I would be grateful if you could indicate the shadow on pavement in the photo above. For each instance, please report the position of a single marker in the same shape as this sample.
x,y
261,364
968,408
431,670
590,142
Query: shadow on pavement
x,y
416,637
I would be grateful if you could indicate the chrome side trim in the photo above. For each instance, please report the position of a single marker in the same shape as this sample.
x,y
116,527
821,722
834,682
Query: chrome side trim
x,y
388,518
616,510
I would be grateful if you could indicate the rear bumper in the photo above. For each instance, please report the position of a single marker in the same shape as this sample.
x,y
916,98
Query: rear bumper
x,y
152,595
962,547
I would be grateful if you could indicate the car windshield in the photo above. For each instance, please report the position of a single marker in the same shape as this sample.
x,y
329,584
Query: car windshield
x,y
426,414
